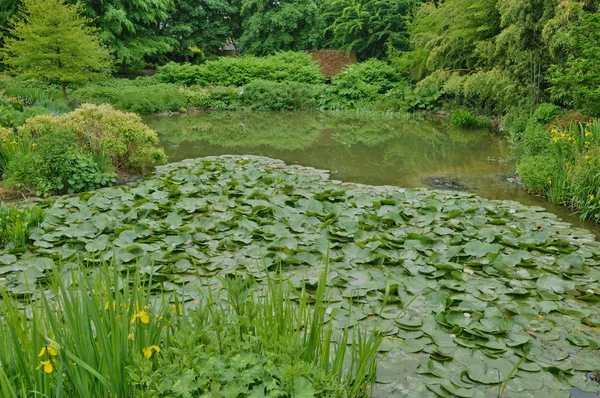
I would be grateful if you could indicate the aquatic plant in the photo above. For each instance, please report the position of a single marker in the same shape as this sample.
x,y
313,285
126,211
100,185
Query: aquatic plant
x,y
473,296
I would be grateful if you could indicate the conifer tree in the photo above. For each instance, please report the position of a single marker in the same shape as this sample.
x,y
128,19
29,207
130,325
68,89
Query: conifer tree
x,y
52,42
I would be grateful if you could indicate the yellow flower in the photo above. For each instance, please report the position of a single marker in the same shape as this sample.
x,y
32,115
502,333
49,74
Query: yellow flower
x,y
555,139
588,134
176,308
549,181
33,145
130,336
591,197
52,350
48,368
143,316
148,350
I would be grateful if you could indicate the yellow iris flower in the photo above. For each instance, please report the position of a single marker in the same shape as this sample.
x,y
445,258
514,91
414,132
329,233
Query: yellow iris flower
x,y
148,350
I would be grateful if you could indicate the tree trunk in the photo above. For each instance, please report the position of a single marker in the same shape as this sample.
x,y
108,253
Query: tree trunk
x,y
64,90
124,67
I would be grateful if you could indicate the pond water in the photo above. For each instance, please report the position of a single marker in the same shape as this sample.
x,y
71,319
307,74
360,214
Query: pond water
x,y
406,151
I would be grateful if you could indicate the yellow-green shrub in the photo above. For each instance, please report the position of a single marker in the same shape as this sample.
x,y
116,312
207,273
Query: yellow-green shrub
x,y
121,137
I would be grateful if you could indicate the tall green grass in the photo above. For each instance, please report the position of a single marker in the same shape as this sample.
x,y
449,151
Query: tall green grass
x,y
99,333
16,223
567,170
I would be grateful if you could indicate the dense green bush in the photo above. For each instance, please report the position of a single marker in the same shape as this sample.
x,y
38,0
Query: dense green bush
x,y
16,223
490,91
121,138
56,166
546,113
536,172
232,71
430,90
132,97
465,119
272,96
574,83
373,72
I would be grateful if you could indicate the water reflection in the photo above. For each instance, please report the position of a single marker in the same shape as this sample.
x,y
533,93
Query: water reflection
x,y
407,151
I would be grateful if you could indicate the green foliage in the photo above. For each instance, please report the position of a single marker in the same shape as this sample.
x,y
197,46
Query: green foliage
x,y
272,96
9,9
489,91
79,342
462,118
452,35
130,97
373,72
15,111
52,42
367,26
103,334
430,90
574,83
170,232
251,342
56,166
561,162
227,71
102,131
203,26
536,173
546,113
131,27
16,223
269,26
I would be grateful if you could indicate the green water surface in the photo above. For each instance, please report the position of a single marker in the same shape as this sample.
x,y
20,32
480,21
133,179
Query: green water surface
x,y
406,151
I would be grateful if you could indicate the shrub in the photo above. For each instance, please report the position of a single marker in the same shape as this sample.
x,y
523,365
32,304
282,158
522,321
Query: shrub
x,y
372,72
102,131
127,95
272,96
237,71
430,90
10,145
222,98
56,166
462,118
16,223
490,91
536,172
546,113
350,93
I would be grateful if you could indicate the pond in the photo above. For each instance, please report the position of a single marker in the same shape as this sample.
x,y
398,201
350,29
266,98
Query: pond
x,y
406,151
475,298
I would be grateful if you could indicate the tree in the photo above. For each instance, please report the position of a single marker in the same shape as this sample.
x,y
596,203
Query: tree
x,y
279,25
368,26
575,82
51,41
8,10
129,27
201,24
457,35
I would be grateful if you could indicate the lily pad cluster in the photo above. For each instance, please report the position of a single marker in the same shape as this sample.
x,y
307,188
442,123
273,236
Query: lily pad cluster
x,y
477,297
